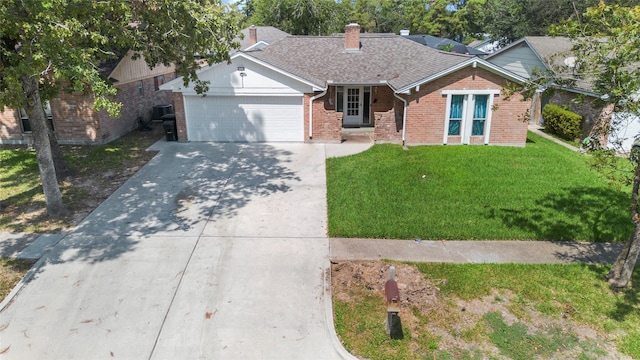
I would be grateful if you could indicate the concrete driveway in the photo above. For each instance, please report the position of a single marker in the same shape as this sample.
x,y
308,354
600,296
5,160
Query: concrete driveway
x,y
211,251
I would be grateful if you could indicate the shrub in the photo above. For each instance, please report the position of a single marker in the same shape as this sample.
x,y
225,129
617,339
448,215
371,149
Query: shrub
x,y
562,122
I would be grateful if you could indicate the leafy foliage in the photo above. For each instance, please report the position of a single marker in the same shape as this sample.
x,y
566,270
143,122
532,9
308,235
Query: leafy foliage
x,y
63,43
562,122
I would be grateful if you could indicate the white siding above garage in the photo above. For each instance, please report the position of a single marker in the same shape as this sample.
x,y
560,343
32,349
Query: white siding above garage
x,y
244,118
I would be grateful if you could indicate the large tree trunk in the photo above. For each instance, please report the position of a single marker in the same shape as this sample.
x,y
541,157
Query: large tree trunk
x,y
38,121
620,274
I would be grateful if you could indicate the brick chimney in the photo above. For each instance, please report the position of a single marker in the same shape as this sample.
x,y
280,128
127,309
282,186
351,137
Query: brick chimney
x,y
253,35
352,37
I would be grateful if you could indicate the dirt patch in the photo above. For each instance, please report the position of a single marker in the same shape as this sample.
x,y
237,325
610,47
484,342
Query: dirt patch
x,y
443,327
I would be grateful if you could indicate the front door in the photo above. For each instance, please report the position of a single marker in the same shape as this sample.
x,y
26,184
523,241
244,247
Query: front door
x,y
352,115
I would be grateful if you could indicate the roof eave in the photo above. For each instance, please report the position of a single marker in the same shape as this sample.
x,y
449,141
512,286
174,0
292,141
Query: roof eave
x,y
474,61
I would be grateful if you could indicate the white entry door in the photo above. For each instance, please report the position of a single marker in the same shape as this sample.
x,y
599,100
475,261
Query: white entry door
x,y
352,114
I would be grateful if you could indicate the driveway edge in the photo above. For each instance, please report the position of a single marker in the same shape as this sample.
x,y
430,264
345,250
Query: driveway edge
x,y
331,328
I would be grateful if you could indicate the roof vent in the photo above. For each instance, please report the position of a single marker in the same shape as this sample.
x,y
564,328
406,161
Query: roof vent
x,y
404,32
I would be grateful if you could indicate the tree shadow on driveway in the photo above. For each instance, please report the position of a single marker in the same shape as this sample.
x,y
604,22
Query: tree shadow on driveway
x,y
176,193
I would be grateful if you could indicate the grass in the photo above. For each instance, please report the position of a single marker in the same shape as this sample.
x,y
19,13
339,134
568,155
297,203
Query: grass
x,y
545,313
540,192
11,272
21,196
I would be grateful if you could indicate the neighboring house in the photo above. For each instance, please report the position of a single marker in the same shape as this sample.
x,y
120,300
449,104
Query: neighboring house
x,y
74,119
531,54
443,44
308,88
76,122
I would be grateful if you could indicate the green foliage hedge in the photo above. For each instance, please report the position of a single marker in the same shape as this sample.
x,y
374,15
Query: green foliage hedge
x,y
562,122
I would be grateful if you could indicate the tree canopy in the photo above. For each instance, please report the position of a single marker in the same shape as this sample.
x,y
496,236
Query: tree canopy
x,y
48,46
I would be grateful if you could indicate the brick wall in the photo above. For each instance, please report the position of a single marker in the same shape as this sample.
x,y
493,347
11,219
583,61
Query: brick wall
x,y
76,122
10,128
427,110
327,123
134,105
387,114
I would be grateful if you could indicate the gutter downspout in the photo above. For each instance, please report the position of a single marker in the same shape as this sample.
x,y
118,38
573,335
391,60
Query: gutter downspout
x,y
404,116
311,100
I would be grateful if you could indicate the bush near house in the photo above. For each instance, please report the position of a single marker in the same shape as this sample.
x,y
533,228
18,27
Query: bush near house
x,y
562,122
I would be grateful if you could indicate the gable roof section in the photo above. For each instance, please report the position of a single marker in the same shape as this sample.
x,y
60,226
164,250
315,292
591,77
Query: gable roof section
x,y
177,85
551,52
382,59
473,62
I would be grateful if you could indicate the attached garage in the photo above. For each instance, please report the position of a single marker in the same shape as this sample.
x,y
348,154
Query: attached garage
x,y
244,118
246,100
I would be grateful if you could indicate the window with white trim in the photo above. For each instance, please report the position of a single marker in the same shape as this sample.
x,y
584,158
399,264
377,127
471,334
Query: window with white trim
x,y
479,114
468,114
456,109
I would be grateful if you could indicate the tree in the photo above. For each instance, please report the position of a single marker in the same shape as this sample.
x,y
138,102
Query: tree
x,y
454,19
606,44
510,20
48,46
306,17
380,16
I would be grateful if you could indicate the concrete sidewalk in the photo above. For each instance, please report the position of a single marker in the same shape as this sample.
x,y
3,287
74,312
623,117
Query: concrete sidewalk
x,y
471,251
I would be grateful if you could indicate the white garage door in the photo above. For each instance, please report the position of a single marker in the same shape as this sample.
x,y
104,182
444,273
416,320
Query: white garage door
x,y
244,118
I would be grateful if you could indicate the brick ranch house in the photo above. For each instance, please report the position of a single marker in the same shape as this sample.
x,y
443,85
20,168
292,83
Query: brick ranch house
x,y
74,119
310,88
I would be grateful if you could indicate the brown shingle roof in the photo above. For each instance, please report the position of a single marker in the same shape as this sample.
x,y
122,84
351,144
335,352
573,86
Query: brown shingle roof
x,y
268,34
383,58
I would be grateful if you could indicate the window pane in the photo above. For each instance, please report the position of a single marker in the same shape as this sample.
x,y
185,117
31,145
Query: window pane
x,y
456,107
480,108
478,127
454,127
339,99
26,125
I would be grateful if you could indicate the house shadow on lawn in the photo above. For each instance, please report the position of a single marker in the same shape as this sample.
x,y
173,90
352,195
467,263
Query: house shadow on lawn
x,y
578,213
175,194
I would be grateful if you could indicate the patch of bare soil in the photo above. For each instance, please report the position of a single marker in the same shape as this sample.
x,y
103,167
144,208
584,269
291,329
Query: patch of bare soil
x,y
457,324
90,185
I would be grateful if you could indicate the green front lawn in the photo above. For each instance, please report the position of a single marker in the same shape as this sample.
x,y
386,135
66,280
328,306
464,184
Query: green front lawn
x,y
541,192
96,172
